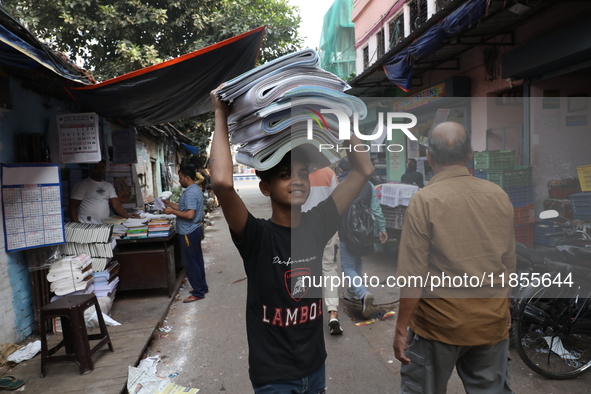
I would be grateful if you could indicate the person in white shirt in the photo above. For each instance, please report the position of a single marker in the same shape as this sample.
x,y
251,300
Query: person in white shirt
x,y
90,198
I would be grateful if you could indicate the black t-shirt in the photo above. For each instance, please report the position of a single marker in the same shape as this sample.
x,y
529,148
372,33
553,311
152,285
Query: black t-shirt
x,y
412,178
284,310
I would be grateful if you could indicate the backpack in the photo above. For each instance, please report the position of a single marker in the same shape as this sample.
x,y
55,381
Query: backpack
x,y
358,224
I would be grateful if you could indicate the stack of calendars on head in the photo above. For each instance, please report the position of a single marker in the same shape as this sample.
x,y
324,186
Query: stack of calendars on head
x,y
158,228
105,282
278,106
71,275
136,228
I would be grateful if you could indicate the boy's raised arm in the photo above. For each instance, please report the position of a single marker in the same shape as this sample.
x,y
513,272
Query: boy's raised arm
x,y
361,171
222,181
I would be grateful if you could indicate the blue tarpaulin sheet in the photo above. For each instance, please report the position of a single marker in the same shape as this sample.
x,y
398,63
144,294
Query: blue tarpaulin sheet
x,y
399,67
190,148
16,52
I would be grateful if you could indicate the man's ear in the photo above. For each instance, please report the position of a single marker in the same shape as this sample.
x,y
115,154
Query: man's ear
x,y
470,157
264,188
429,159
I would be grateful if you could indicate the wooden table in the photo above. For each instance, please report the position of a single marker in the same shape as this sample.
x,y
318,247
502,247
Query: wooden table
x,y
146,263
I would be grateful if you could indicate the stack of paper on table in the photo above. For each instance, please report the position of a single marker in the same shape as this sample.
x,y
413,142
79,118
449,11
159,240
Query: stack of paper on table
x,y
70,274
117,222
136,228
159,228
273,107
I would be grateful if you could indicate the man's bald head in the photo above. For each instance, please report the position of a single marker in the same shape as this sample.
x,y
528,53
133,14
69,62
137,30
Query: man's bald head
x,y
449,144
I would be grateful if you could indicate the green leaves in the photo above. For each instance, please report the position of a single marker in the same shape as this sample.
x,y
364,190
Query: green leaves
x,y
114,37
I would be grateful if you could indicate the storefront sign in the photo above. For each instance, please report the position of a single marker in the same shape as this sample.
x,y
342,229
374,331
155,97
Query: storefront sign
x,y
421,98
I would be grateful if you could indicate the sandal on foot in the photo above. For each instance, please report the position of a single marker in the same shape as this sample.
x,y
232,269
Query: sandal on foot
x,y
335,327
10,383
192,298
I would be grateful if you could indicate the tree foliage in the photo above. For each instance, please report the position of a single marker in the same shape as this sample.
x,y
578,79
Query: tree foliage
x,y
114,37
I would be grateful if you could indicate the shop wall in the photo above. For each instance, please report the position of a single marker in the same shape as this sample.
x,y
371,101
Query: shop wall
x,y
148,167
484,115
366,15
30,114
560,139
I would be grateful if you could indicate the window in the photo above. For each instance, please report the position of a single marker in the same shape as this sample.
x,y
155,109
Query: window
x,y
365,57
396,30
418,14
381,43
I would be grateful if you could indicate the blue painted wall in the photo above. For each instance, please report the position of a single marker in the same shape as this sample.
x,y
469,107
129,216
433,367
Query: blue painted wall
x,y
31,113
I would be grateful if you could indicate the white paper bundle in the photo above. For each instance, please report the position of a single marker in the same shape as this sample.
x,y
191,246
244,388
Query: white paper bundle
x,y
273,104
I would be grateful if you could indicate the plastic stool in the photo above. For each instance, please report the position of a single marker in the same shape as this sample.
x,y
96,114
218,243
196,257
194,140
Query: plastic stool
x,y
75,337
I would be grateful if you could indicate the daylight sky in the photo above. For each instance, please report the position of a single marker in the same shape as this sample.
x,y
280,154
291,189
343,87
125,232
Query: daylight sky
x,y
312,14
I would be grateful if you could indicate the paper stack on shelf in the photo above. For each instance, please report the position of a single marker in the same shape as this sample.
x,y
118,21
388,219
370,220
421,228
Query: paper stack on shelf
x,y
105,282
274,106
70,274
99,263
86,233
118,228
95,240
136,228
159,228
88,290
114,220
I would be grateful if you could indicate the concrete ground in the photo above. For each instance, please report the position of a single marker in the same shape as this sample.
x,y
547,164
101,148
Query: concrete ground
x,y
206,346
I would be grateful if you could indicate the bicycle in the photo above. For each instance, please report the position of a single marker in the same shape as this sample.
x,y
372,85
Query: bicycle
x,y
552,321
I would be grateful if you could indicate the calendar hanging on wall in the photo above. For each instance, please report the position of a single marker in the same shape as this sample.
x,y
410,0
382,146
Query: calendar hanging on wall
x,y
32,211
79,138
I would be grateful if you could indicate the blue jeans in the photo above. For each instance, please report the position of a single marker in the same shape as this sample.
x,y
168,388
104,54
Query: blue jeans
x,y
315,383
193,261
351,265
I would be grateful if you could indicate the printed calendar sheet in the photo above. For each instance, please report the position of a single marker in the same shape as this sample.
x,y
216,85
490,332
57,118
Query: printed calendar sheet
x,y
32,210
79,138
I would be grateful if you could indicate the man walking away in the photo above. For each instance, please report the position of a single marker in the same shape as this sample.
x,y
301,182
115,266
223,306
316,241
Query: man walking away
x,y
457,225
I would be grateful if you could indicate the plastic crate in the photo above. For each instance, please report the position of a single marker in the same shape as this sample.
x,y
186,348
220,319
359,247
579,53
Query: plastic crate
x,y
524,233
495,159
394,216
563,188
563,207
524,215
581,204
542,229
510,178
585,177
480,173
520,196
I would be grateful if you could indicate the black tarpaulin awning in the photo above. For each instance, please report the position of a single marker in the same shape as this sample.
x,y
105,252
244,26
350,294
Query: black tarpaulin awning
x,y
175,89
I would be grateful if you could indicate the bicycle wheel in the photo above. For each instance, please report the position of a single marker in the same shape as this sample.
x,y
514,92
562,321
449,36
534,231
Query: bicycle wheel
x,y
554,333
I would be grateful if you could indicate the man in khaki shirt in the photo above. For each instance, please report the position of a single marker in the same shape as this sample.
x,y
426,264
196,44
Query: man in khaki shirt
x,y
457,227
